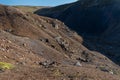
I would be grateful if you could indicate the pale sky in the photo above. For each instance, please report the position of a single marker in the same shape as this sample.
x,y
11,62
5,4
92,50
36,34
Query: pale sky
x,y
36,2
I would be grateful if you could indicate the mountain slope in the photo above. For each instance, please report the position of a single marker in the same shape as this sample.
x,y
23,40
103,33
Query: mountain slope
x,y
44,48
98,21
85,15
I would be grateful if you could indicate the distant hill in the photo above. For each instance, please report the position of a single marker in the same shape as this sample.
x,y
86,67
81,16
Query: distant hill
x,y
84,16
30,9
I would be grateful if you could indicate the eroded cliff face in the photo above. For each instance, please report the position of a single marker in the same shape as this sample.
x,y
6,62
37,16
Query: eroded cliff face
x,y
44,48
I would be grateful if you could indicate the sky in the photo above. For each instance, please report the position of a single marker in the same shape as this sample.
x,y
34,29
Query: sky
x,y
36,2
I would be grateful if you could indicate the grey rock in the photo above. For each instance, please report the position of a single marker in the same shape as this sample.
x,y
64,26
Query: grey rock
x,y
78,64
56,26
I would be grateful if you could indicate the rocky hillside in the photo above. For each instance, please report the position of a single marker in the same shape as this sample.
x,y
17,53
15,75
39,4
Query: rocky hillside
x,y
42,48
98,21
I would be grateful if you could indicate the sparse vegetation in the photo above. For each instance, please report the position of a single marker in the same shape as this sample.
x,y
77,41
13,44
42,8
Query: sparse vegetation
x,y
41,50
57,73
4,66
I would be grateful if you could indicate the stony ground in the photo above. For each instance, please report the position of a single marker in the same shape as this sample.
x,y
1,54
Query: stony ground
x,y
42,48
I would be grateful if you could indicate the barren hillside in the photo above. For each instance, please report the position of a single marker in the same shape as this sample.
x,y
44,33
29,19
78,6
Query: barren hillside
x,y
97,21
42,48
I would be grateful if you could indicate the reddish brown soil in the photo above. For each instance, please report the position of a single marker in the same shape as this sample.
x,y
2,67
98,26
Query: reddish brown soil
x,y
42,48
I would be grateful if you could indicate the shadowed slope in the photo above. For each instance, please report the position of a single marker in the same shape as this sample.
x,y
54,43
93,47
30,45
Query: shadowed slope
x,y
98,21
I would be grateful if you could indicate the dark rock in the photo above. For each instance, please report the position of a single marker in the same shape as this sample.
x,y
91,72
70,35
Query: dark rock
x,y
1,70
48,64
86,57
44,40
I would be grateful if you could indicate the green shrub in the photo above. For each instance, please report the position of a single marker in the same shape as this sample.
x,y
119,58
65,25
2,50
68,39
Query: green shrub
x,y
4,65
